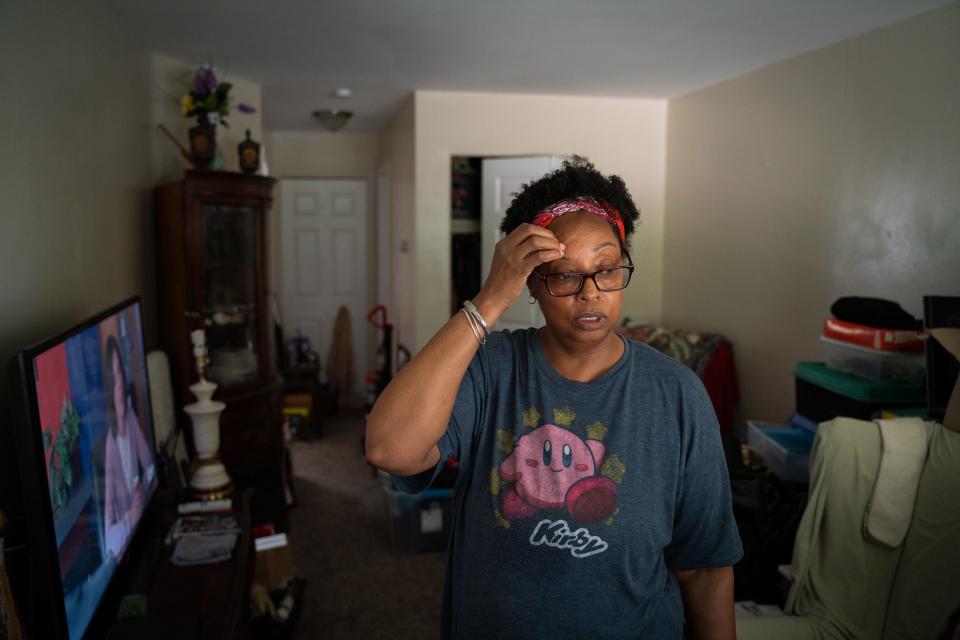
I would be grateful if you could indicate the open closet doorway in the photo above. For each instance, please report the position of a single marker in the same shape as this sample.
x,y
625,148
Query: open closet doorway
x,y
324,265
481,191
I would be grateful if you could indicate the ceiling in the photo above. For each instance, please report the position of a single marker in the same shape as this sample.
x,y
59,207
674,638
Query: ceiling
x,y
301,50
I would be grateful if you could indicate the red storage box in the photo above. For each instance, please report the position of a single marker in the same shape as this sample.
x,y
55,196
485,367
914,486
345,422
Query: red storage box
x,y
873,337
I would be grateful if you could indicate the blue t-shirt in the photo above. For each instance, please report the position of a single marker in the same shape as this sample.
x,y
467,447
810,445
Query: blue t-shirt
x,y
576,499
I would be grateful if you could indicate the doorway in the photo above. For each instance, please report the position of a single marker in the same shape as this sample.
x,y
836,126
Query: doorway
x,y
324,265
481,191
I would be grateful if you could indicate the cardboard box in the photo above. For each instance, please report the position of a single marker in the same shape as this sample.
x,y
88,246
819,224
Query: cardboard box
x,y
274,562
950,339
298,400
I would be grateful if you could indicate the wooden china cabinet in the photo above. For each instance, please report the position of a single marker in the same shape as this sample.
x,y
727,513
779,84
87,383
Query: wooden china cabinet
x,y
211,230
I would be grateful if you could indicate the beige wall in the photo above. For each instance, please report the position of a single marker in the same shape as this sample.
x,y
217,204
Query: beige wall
x,y
621,136
831,174
396,155
171,79
74,176
317,154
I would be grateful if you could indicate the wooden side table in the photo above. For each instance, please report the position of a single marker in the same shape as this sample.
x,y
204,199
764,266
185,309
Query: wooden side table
x,y
305,379
308,374
218,594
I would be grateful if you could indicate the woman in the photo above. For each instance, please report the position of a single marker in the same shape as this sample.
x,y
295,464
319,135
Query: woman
x,y
128,465
593,499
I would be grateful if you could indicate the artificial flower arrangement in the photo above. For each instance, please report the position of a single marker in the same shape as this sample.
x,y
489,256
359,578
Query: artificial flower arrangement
x,y
209,99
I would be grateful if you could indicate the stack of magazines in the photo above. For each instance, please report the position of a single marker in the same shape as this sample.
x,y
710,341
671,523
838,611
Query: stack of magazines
x,y
203,539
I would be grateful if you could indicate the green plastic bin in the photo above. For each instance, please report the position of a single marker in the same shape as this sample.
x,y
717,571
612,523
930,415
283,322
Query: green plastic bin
x,y
823,394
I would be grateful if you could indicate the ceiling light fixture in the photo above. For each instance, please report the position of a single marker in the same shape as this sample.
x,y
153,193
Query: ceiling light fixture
x,y
342,93
332,119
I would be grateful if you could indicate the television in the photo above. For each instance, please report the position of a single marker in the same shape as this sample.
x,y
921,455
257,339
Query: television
x,y
87,465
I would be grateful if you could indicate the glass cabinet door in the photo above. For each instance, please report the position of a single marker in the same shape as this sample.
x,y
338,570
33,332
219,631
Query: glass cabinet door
x,y
230,293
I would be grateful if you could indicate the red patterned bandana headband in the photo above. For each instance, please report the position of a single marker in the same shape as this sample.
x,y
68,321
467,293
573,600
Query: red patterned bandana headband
x,y
581,203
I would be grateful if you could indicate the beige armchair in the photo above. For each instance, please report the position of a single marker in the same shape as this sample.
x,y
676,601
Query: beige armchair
x,y
845,584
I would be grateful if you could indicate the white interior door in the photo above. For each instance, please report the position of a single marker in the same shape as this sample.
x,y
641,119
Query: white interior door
x,y
324,265
503,177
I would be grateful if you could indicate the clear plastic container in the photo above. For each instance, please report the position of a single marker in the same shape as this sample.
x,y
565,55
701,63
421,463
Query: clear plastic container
x,y
786,450
894,367
419,522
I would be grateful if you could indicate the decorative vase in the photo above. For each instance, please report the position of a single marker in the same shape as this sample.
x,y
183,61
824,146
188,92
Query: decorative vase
x,y
203,142
249,155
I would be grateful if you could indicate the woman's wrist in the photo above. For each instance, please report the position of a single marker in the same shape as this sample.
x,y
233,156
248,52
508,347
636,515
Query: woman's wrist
x,y
489,309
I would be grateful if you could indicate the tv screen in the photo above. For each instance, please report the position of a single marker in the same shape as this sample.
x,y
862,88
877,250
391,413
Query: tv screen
x,y
85,418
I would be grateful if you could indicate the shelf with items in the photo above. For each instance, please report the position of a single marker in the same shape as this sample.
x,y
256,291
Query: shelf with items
x,y
461,226
465,187
221,316
465,229
212,244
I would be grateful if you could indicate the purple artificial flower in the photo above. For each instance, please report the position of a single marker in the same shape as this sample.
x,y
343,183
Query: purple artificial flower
x,y
198,83
211,80
204,81
243,107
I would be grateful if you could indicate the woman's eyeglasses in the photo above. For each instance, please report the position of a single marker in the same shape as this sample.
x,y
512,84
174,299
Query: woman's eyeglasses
x,y
570,283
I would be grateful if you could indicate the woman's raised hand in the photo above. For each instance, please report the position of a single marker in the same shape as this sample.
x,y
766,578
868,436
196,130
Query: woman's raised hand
x,y
413,412
514,258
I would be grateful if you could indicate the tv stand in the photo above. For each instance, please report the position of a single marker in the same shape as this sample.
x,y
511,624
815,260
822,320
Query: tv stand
x,y
204,601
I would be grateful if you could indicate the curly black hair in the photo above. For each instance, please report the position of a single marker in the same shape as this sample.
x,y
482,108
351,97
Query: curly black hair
x,y
577,177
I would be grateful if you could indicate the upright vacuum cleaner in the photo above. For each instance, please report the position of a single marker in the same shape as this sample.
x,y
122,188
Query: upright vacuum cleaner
x,y
378,380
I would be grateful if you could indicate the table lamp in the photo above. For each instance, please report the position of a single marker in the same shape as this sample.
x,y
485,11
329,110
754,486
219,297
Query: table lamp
x,y
208,479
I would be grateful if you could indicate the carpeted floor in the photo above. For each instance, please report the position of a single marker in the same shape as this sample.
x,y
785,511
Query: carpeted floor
x,y
356,588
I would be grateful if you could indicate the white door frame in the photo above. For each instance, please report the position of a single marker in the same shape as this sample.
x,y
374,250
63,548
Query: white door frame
x,y
500,175
384,228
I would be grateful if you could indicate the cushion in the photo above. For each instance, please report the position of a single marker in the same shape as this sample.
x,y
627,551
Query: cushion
x,y
927,586
890,510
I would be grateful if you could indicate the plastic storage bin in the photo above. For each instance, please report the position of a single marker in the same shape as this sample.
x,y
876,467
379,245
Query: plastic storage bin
x,y
801,421
786,450
417,522
823,394
874,337
895,367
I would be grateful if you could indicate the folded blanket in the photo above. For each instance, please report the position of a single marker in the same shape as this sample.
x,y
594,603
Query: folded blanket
x,y
691,348
903,453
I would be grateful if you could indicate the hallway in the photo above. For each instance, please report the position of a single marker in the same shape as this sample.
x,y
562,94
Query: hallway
x,y
356,587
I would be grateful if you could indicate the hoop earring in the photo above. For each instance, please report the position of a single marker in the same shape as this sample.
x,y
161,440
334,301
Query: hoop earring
x,y
532,300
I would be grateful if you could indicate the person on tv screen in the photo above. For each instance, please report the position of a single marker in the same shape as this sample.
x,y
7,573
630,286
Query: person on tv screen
x,y
128,467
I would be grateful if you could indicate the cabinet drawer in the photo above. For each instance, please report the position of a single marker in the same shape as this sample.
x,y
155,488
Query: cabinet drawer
x,y
251,432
